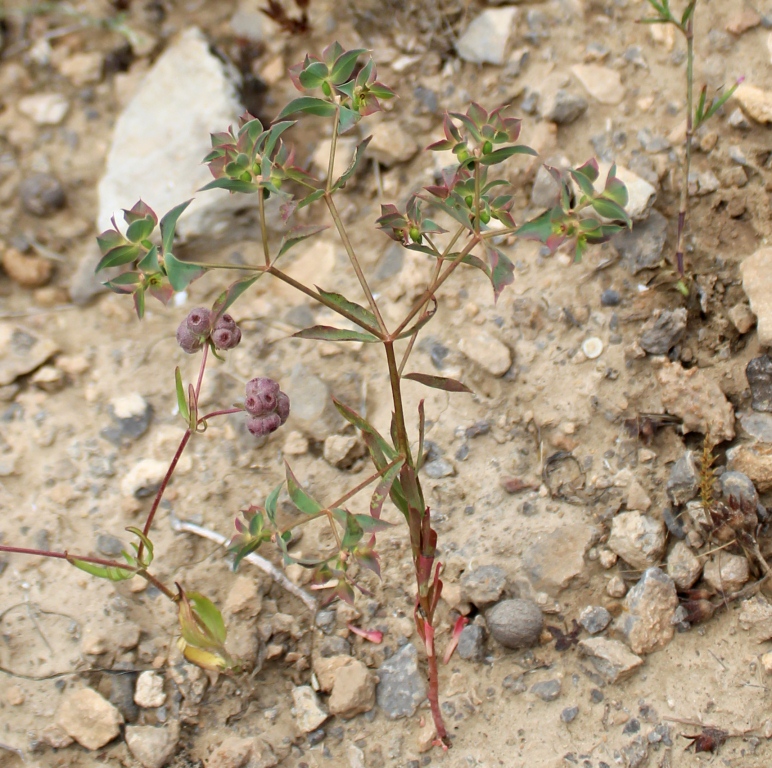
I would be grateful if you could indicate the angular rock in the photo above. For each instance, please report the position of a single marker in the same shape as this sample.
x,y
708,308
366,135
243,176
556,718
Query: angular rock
x,y
684,480
594,618
471,643
756,617
42,194
663,331
646,624
487,351
131,416
44,108
312,410
483,586
162,135
391,144
757,425
88,718
485,40
307,711
612,659
244,598
561,106
439,468
641,195
753,460
739,486
353,690
152,745
342,451
236,752
402,686
546,690
326,668
149,692
554,559
602,83
637,498
144,478
641,247
756,271
740,314
638,539
683,566
695,398
515,623
726,572
21,352
755,102
758,372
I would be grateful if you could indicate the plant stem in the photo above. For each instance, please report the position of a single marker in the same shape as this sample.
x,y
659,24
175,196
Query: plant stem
x,y
688,32
403,442
164,483
223,412
346,496
264,229
333,149
201,370
354,261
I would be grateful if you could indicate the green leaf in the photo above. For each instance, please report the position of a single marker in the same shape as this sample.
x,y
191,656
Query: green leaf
x,y
148,551
271,503
297,235
352,417
110,239
182,401
344,65
224,301
502,269
421,433
347,119
274,133
299,497
169,224
149,262
139,302
364,316
437,382
383,489
117,257
103,571
326,333
125,283
610,210
140,230
313,75
351,170
309,105
209,615
420,323
688,12
180,273
232,185
719,102
353,531
499,155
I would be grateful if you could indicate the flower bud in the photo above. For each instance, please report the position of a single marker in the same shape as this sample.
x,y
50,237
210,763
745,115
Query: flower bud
x,y
415,234
260,426
199,321
487,148
326,89
267,405
226,334
485,217
462,154
189,341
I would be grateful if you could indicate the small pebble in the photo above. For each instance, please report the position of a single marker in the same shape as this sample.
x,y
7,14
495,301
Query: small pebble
x,y
568,715
610,298
595,618
546,690
42,194
592,347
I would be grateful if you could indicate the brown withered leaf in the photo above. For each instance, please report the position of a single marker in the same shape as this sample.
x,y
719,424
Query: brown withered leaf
x,y
708,740
291,25
563,640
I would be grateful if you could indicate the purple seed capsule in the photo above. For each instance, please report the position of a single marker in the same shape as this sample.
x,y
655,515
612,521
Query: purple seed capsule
x,y
189,341
199,321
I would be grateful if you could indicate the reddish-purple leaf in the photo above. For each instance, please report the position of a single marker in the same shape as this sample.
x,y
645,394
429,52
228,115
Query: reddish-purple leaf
x,y
373,635
437,382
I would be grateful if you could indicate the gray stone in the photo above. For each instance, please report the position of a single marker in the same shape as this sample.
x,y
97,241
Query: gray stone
x,y
638,539
683,566
663,331
562,106
684,480
758,372
471,643
515,623
152,745
568,715
109,545
726,572
402,686
546,690
756,271
738,485
610,298
646,624
21,352
313,412
131,415
485,40
439,468
612,659
162,135
594,618
42,194
483,586
758,425
120,690
641,247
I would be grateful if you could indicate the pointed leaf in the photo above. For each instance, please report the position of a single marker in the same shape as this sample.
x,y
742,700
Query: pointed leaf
x,y
421,432
610,210
182,401
355,160
344,65
367,429
230,294
326,333
169,224
499,155
353,532
117,257
232,185
309,105
110,573
437,382
348,118
110,239
311,198
181,273
149,262
209,622
383,489
271,503
299,497
140,230
297,235
365,316
148,551
502,270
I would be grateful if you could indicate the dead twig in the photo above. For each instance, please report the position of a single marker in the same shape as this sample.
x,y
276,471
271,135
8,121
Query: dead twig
x,y
183,526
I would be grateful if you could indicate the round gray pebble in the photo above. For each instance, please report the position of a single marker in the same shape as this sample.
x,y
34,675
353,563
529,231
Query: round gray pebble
x,y
42,194
568,715
515,623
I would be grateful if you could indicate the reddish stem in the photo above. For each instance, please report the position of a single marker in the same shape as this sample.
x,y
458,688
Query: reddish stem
x,y
201,370
223,412
64,556
434,695
161,490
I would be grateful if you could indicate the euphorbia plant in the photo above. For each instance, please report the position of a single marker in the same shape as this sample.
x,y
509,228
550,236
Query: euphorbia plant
x,y
252,159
